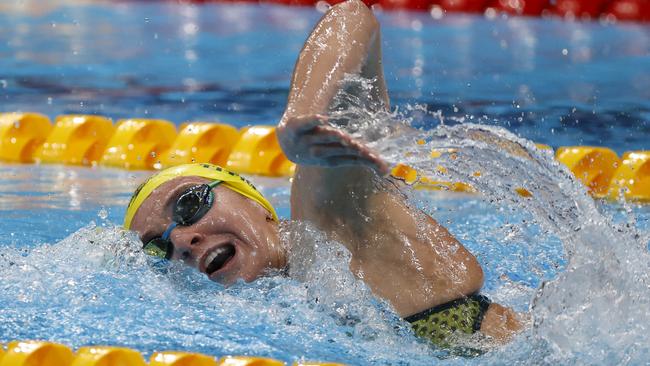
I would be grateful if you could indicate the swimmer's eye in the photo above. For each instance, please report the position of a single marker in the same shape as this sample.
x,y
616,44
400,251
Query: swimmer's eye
x,y
194,203
159,247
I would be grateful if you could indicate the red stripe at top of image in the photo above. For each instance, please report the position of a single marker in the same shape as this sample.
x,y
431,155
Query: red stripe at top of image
x,y
367,2
520,7
629,9
580,8
405,4
470,6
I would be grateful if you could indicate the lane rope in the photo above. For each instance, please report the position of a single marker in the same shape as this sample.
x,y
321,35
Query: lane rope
x,y
152,144
43,353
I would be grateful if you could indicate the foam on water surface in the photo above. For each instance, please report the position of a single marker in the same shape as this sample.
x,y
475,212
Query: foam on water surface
x,y
97,287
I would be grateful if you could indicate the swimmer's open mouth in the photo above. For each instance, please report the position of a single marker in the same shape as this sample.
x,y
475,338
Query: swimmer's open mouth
x,y
219,257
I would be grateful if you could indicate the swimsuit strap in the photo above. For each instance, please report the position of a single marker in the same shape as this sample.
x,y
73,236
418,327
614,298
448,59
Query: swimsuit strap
x,y
440,323
482,300
484,304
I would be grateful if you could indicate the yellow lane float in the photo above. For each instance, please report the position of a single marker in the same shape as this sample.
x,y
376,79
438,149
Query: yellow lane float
x,y
21,134
181,359
632,178
154,144
138,143
249,361
258,152
76,140
36,353
201,142
405,173
41,353
410,177
107,356
593,166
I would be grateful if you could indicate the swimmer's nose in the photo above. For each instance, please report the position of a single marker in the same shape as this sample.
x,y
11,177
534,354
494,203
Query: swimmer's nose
x,y
186,244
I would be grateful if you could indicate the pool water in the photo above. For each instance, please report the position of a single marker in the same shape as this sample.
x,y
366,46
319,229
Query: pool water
x,y
70,274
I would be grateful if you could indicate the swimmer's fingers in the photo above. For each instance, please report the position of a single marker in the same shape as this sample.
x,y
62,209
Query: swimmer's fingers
x,y
305,124
326,134
347,153
299,125
350,160
309,140
341,144
328,150
291,132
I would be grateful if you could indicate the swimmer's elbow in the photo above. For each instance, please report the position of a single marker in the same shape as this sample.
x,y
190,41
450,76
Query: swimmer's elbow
x,y
351,6
357,12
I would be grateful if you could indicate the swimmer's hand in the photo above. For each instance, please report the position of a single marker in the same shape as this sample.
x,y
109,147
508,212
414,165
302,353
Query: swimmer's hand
x,y
309,140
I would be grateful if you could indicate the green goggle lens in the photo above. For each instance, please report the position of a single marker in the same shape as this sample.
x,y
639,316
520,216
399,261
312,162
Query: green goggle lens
x,y
159,247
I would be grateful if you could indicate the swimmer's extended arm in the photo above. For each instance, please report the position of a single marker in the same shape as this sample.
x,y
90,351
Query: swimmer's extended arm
x,y
345,41
404,255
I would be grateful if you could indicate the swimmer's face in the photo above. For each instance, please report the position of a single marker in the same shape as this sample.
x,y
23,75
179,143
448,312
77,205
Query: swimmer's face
x,y
237,235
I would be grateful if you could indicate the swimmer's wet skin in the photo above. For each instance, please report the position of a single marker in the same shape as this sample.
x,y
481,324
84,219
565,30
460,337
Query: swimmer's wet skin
x,y
219,223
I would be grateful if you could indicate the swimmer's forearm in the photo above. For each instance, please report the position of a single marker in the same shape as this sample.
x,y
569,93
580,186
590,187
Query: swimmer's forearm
x,y
374,70
339,44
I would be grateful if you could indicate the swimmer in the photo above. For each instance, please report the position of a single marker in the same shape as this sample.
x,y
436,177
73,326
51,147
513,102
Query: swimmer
x,y
217,222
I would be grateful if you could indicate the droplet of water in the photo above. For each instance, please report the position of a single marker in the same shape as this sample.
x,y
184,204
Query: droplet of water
x,y
103,213
437,12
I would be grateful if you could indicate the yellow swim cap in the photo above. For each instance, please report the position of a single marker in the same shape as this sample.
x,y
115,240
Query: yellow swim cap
x,y
204,170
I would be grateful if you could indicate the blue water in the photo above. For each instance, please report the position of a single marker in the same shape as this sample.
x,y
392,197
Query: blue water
x,y
67,274
233,64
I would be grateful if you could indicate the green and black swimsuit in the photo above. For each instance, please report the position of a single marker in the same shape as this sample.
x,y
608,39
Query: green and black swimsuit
x,y
440,322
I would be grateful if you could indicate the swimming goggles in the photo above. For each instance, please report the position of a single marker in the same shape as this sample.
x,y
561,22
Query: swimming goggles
x,y
190,207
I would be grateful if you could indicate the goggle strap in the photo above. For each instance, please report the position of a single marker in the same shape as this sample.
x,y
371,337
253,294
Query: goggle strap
x,y
214,183
168,232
